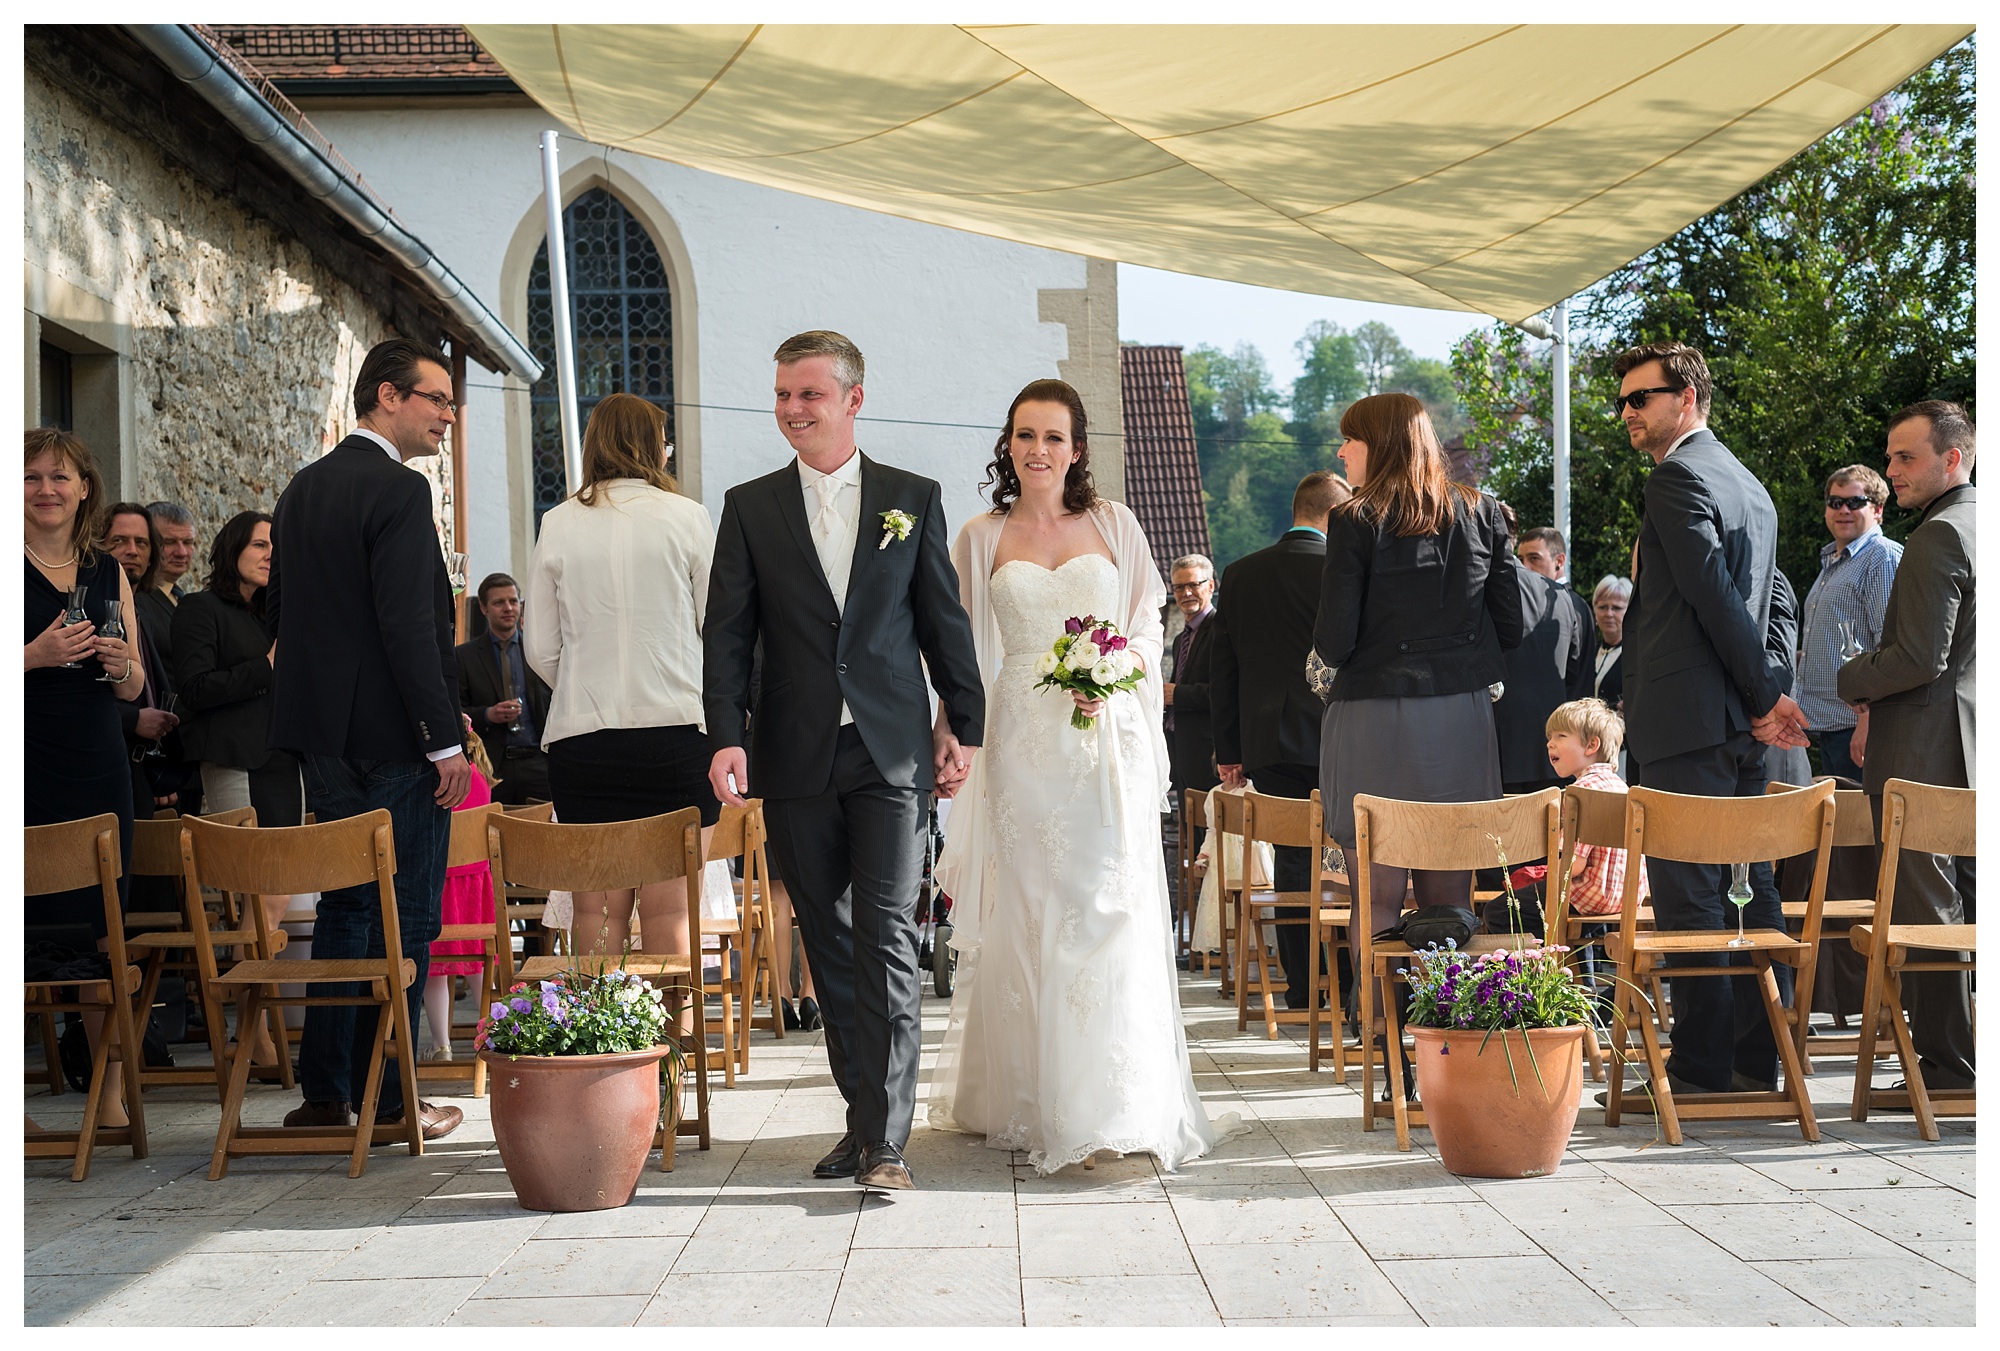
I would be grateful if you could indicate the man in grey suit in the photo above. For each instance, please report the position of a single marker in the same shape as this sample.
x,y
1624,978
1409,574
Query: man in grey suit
x,y
1919,687
1704,690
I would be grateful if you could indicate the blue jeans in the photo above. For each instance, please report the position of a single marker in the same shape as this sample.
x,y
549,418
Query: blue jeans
x,y
336,1045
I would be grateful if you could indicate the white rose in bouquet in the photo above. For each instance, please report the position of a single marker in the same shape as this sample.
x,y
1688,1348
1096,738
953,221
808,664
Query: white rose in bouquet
x,y
1083,655
1127,663
1046,664
1106,671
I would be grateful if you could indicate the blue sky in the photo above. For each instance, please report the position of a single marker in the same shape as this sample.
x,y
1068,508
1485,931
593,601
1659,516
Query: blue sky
x,y
1170,307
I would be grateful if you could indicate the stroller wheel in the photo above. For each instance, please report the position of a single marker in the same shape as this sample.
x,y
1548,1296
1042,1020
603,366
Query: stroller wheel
x,y
942,962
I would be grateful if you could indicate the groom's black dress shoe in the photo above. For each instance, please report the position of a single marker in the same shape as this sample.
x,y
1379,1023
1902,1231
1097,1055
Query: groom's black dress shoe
x,y
882,1167
845,1160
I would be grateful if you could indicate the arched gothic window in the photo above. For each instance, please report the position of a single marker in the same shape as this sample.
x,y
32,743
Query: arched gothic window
x,y
622,316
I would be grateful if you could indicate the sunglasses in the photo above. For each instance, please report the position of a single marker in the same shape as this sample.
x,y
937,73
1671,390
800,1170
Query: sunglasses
x,y
1851,503
1637,398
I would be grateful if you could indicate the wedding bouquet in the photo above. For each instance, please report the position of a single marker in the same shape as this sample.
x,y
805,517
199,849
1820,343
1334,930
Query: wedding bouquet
x,y
1092,659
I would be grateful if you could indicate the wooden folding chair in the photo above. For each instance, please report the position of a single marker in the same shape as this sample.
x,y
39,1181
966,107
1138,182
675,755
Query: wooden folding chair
x,y
1279,822
619,856
523,905
1194,816
469,846
1327,932
1853,825
1731,830
1926,819
1594,817
66,856
745,951
1435,837
202,952
286,860
1228,821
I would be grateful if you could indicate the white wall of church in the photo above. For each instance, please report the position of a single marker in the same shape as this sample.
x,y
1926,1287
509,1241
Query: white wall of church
x,y
950,323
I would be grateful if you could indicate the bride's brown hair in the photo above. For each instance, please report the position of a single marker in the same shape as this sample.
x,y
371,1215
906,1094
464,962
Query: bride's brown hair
x,y
1079,493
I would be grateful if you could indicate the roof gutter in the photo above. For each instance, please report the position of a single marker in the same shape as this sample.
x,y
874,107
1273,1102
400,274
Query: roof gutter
x,y
194,63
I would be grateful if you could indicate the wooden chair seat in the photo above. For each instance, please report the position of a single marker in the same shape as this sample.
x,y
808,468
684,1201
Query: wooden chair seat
x,y
638,963
1918,938
152,919
133,978
317,970
1833,911
174,940
1664,941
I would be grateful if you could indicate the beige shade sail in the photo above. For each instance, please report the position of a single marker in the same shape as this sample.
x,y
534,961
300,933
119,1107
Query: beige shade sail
x,y
1495,169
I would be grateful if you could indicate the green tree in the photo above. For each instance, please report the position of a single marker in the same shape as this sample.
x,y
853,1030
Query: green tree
x,y
1247,456
1381,353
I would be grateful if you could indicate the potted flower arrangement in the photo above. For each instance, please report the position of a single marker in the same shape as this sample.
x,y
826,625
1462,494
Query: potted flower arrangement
x,y
1499,1054
574,1068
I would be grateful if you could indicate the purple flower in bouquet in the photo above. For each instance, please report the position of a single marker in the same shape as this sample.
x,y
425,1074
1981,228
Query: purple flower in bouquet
x,y
1073,625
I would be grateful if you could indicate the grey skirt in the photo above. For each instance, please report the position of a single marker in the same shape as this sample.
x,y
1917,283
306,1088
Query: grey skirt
x,y
1439,748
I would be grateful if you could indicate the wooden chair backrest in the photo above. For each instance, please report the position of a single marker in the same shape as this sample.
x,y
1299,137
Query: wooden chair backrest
x,y
276,860
533,811
1731,829
1229,813
1928,819
1592,816
610,856
1454,836
1282,820
468,836
1194,810
1853,821
737,829
71,854
156,844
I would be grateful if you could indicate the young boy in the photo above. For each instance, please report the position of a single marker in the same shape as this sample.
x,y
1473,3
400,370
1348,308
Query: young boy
x,y
1584,738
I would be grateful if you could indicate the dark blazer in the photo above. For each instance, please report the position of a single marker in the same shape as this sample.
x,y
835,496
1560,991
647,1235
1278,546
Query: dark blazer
x,y
156,615
1403,616
902,614
1192,742
1697,669
1922,679
479,690
224,682
1554,664
361,605
1263,711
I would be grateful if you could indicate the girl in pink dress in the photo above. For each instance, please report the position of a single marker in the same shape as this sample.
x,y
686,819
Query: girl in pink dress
x,y
468,899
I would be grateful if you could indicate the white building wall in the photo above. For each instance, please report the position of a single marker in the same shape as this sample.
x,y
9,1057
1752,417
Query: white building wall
x,y
949,322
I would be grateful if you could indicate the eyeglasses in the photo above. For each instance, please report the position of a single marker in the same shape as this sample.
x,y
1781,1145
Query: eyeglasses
x,y
1191,586
437,401
1851,503
1637,398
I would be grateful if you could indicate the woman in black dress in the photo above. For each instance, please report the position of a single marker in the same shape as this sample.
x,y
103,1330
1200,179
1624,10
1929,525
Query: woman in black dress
x,y
73,764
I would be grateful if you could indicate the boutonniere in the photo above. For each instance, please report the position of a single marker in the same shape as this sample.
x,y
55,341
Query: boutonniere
x,y
896,525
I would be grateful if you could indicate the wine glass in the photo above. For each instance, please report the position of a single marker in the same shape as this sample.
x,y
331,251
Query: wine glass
x,y
1739,896
455,565
172,707
113,627
1850,643
76,611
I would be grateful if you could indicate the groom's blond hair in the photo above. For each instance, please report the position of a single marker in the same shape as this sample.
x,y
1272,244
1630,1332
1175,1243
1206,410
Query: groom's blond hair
x,y
848,367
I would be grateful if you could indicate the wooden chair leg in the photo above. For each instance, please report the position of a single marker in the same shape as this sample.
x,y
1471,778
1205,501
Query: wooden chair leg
x,y
1621,1014
406,1068
132,1051
1367,1020
1906,1050
1795,1079
1242,966
1656,1077
1864,1054
1267,937
93,1102
1393,1062
371,1091
51,1047
232,1112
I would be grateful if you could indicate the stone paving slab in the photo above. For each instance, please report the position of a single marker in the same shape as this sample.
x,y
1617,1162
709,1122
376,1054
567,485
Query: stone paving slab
x,y
1303,1220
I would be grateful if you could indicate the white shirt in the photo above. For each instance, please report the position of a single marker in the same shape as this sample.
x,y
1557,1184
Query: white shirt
x,y
397,456
1678,439
833,511
616,598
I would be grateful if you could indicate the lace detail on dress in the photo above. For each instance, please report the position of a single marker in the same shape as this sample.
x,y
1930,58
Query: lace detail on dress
x,y
1006,833
1085,993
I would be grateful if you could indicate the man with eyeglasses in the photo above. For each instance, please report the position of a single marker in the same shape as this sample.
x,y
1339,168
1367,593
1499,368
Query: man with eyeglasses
x,y
366,693
1190,736
1706,689
1843,612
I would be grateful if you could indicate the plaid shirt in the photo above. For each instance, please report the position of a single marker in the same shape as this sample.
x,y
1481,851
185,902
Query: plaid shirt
x,y
1600,888
1852,586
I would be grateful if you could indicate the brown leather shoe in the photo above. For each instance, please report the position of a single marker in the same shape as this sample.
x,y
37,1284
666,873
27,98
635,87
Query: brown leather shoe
x,y
882,1168
438,1121
321,1114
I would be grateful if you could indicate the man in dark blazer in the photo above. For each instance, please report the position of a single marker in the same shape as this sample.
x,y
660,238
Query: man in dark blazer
x,y
1555,663
840,565
366,693
1919,688
1703,689
1266,717
1190,728
507,702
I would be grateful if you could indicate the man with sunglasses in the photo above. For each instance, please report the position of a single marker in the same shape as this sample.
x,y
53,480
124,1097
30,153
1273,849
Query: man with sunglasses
x,y
1705,687
1848,597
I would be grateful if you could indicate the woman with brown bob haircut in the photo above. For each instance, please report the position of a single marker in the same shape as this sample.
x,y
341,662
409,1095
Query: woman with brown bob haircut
x,y
1419,596
616,597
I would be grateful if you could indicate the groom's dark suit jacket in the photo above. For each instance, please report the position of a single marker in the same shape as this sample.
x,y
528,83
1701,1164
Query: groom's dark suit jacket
x,y
902,612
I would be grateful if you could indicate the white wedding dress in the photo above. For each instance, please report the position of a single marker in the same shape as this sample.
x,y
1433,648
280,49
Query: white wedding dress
x,y
1065,1034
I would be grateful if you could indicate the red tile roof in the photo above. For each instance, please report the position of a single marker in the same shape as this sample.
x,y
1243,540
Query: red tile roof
x,y
1162,475
361,53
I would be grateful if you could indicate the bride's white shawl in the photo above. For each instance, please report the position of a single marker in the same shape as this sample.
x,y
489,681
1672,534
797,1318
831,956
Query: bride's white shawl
x,y
966,871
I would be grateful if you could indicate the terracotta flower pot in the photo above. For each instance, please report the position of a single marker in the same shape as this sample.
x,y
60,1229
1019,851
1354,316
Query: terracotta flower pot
x,y
1491,1123
574,1130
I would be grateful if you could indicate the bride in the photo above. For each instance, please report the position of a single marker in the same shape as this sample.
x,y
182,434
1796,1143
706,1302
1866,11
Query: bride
x,y
1065,1036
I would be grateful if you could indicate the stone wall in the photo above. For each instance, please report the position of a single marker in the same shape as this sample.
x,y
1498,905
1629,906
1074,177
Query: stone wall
x,y
240,345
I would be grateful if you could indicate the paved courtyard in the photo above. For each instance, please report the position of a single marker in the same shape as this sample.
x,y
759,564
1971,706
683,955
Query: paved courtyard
x,y
1304,1220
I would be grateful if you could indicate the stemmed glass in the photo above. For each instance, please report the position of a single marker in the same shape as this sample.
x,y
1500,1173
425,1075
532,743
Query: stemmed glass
x,y
455,565
114,627
171,708
1850,642
1739,896
76,611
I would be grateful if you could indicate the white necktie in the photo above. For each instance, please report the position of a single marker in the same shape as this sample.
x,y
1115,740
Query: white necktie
x,y
826,537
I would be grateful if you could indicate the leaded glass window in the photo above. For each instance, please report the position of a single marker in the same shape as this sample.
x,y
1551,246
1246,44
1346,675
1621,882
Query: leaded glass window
x,y
622,315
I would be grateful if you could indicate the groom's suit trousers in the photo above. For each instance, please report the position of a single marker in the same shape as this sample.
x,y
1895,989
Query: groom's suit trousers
x,y
852,858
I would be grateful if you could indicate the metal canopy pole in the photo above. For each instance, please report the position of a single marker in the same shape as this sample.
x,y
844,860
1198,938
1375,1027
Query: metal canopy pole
x,y
572,435
1560,405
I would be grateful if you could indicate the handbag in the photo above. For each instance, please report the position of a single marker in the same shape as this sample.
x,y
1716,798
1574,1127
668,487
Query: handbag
x,y
1430,925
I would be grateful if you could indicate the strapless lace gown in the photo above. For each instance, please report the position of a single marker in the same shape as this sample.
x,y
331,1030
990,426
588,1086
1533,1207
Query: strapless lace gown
x,y
1066,1038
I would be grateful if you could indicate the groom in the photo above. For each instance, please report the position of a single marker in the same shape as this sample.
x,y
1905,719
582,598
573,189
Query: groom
x,y
839,566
